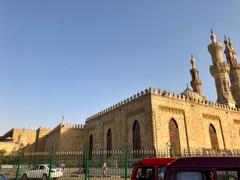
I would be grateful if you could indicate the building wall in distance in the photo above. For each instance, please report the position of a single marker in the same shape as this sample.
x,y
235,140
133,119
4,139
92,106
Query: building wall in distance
x,y
24,136
19,139
72,137
53,138
64,137
8,146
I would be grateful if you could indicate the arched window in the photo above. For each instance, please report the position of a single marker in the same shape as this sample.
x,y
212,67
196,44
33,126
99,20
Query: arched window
x,y
109,142
136,136
213,137
90,146
175,148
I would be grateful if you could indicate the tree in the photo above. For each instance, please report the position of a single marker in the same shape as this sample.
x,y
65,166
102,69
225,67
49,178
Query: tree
x,y
3,151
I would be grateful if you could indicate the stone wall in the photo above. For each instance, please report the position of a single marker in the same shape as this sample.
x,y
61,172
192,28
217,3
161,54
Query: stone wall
x,y
64,137
40,142
17,138
26,136
8,146
153,109
120,119
194,118
53,138
72,137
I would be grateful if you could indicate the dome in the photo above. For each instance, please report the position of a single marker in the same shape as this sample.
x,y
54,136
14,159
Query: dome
x,y
192,95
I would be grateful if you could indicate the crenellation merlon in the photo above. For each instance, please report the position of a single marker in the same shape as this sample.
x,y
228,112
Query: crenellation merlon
x,y
165,94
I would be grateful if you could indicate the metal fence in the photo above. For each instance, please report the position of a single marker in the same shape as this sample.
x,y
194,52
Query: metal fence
x,y
88,165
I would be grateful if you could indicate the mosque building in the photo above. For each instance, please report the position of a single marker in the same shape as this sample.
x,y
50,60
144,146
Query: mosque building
x,y
155,119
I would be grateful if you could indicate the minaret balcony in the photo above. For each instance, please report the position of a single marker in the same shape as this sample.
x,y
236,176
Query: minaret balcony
x,y
221,67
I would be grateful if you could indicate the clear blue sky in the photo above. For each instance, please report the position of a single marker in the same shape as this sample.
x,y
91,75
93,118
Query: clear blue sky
x,y
75,58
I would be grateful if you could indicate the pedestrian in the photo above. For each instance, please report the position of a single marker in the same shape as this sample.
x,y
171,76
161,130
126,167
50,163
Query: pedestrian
x,y
104,169
62,167
80,169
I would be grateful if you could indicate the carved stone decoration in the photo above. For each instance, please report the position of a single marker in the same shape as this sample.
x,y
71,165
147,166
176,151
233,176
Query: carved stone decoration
x,y
211,117
236,121
171,109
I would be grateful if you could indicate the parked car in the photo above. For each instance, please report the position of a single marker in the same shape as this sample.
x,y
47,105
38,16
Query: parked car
x,y
2,176
42,171
187,168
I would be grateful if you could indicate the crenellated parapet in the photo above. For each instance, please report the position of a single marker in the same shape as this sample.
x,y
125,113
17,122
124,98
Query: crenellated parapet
x,y
171,95
222,67
72,126
235,67
65,125
165,94
122,103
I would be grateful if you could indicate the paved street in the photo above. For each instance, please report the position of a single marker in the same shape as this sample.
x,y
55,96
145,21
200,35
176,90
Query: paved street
x,y
73,173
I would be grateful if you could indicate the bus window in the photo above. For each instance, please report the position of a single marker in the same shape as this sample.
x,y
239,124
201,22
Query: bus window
x,y
145,173
228,175
161,172
196,175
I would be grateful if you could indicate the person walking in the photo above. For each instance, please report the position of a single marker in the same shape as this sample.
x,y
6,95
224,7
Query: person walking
x,y
81,170
104,169
62,166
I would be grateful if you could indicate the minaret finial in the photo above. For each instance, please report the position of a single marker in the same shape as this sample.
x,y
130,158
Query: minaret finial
x,y
230,43
226,41
193,61
213,36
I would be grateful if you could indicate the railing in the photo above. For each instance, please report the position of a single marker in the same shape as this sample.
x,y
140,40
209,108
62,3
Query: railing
x,y
82,165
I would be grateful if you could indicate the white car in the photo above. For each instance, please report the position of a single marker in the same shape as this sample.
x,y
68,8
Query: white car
x,y
41,171
2,176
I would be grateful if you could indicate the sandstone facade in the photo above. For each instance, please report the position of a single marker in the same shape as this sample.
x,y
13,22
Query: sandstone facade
x,y
64,137
154,110
17,138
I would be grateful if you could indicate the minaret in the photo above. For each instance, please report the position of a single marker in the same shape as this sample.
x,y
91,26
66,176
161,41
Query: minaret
x,y
219,70
196,83
234,72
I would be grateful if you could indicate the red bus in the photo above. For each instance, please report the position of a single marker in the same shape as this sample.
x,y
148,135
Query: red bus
x,y
187,168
